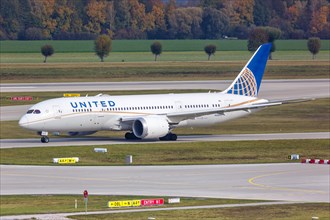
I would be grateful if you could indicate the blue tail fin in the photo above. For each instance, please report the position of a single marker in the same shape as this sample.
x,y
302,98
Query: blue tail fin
x,y
248,82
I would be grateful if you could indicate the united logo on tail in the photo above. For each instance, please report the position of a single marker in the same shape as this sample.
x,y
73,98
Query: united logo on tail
x,y
248,81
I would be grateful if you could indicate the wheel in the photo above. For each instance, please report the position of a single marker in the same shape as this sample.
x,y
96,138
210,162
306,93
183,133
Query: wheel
x,y
169,137
174,137
44,139
131,136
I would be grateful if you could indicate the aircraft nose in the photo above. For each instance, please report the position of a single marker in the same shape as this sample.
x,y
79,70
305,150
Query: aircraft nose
x,y
23,122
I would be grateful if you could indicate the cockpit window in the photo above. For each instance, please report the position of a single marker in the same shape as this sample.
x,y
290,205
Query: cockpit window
x,y
37,111
34,111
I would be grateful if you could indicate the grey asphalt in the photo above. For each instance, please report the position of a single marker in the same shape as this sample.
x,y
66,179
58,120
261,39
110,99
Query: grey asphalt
x,y
94,141
289,86
285,182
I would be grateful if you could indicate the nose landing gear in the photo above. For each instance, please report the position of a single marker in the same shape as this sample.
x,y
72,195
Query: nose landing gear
x,y
44,138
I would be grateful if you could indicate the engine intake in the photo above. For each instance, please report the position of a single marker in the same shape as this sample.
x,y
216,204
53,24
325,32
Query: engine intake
x,y
150,127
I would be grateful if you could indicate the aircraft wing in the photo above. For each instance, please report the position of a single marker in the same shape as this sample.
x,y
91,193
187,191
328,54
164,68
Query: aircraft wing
x,y
179,116
176,117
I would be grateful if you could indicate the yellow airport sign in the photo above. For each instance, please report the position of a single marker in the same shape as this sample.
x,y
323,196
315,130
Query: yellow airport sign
x,y
124,203
71,95
66,160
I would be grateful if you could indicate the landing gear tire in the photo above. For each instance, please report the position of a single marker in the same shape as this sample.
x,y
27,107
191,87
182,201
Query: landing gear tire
x,y
169,137
131,136
44,139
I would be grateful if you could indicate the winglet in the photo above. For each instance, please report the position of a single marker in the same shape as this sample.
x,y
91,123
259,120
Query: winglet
x,y
248,81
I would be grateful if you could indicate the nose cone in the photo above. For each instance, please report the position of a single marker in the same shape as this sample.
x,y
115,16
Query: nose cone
x,y
23,122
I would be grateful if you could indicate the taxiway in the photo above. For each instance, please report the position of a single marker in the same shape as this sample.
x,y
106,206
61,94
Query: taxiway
x,y
285,182
94,141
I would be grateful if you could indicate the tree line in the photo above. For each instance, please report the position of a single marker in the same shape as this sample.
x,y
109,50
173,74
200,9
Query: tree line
x,y
157,19
103,46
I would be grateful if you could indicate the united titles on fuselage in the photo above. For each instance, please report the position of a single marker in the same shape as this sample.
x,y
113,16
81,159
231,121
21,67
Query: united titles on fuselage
x,y
91,104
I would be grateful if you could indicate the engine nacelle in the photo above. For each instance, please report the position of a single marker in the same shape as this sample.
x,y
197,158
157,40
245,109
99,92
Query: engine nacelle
x,y
150,127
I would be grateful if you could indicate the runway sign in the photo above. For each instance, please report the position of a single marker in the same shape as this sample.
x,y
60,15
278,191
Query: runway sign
x,y
67,160
21,98
100,150
173,200
125,203
71,95
293,157
152,202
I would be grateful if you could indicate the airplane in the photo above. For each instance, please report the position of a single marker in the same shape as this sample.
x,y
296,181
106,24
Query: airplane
x,y
152,116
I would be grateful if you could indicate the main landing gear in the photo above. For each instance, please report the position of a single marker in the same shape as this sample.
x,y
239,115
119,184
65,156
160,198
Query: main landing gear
x,y
131,136
169,137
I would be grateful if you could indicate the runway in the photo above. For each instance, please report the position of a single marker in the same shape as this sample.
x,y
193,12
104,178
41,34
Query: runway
x,y
56,142
270,89
285,182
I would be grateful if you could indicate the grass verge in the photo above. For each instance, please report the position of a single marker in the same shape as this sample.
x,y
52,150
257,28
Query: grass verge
x,y
274,212
146,71
242,152
39,204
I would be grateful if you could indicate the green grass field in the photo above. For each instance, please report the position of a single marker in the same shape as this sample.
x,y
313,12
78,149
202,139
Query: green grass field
x,y
156,71
274,212
158,153
66,46
32,204
187,56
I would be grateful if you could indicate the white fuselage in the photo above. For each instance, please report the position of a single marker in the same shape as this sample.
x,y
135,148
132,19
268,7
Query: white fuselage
x,y
107,112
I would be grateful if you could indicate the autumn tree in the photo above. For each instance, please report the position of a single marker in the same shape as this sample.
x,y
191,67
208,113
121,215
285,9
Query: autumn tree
x,y
239,12
101,16
102,46
273,34
257,37
210,50
215,23
139,19
262,12
47,50
158,17
123,16
186,23
156,49
314,45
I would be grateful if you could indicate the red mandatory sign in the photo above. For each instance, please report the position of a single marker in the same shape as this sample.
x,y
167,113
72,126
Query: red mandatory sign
x,y
152,202
85,194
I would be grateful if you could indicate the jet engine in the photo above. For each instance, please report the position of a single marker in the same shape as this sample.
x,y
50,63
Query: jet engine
x,y
150,127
